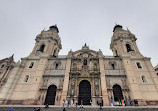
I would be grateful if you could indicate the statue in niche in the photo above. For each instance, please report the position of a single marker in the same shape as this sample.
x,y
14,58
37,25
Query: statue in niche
x,y
96,87
75,66
72,86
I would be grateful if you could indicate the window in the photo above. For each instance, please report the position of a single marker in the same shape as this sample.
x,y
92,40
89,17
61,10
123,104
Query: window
x,y
31,65
144,80
157,73
26,78
56,66
113,66
42,48
128,46
85,62
139,65
54,54
2,66
116,53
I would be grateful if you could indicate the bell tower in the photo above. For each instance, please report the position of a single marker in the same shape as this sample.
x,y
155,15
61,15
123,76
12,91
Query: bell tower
x,y
47,44
123,43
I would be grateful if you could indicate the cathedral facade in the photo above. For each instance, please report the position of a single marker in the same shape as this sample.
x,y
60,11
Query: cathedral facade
x,y
45,77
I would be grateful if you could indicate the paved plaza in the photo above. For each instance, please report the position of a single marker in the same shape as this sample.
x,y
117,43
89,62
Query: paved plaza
x,y
85,108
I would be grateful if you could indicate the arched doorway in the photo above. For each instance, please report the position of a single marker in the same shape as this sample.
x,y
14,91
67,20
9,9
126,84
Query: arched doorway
x,y
117,91
51,93
84,92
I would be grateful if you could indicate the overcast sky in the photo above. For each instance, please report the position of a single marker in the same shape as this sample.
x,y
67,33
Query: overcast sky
x,y
79,22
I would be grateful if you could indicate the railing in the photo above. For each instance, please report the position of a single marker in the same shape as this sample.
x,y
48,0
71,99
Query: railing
x,y
55,72
116,72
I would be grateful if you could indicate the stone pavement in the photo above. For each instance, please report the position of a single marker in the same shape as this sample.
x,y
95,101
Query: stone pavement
x,y
86,108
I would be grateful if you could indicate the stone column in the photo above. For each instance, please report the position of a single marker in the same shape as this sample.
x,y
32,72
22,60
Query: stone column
x,y
103,83
66,81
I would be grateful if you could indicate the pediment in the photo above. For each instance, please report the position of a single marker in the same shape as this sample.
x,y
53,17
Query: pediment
x,y
85,52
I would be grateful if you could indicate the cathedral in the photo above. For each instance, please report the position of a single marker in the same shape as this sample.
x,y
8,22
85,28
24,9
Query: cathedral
x,y
84,76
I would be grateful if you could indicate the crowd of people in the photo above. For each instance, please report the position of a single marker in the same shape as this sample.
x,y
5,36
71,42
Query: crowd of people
x,y
68,103
124,102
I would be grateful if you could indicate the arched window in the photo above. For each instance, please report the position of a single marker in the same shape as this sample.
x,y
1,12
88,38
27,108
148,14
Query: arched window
x,y
116,53
128,46
85,62
42,48
112,65
54,53
143,78
26,78
56,66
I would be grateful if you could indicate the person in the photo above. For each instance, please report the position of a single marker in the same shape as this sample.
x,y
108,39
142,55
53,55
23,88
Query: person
x,y
76,104
128,103
137,102
68,102
123,103
34,109
64,109
46,106
120,102
91,102
134,102
38,109
11,109
101,102
111,102
100,105
63,103
97,103
81,106
71,102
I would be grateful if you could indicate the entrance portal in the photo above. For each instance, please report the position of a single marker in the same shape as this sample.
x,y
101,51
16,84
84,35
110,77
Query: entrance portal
x,y
117,91
51,93
84,93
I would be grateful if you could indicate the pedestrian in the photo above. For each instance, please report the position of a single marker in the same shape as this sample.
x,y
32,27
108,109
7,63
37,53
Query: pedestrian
x,y
100,105
46,106
81,106
64,109
11,109
38,109
63,103
68,103
91,102
123,103
71,102
34,109
137,102
134,102
76,104
128,103
111,102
